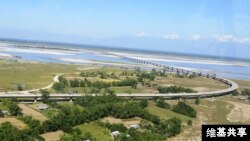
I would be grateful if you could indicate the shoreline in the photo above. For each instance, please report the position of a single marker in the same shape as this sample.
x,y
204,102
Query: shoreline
x,y
91,56
141,56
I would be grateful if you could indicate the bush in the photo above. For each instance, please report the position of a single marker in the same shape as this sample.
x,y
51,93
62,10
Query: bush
x,y
162,104
197,101
245,92
189,122
143,103
184,109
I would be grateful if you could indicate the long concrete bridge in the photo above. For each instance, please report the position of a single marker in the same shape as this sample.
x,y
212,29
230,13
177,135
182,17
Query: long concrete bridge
x,y
66,96
232,86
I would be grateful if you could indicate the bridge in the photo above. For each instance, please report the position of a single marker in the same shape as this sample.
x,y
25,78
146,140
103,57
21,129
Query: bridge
x,y
232,86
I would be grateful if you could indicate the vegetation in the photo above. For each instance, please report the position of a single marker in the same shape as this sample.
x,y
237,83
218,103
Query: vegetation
x,y
58,86
77,135
162,104
30,75
45,96
246,92
107,105
197,101
185,109
10,133
12,106
175,89
143,103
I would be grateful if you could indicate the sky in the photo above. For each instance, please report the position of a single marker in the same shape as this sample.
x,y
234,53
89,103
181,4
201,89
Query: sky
x,y
207,27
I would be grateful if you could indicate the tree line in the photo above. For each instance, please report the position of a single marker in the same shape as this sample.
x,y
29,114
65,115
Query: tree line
x,y
175,89
63,83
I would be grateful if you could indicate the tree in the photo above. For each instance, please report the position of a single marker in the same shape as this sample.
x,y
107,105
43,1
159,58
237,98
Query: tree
x,y
19,87
185,109
175,89
162,104
235,93
143,103
189,122
63,80
197,101
45,96
14,109
12,106
74,83
58,86
245,92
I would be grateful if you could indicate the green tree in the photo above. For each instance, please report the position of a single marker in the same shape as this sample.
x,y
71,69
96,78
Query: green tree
x,y
12,106
185,109
58,86
63,80
19,87
162,104
45,96
143,103
197,101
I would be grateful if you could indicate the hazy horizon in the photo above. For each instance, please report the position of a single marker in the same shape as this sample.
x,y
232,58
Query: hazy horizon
x,y
207,27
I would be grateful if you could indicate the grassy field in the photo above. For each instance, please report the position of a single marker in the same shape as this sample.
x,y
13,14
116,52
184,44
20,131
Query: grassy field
x,y
99,133
29,75
200,83
210,111
243,84
165,113
27,110
37,75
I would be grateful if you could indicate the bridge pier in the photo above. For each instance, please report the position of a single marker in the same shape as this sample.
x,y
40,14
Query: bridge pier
x,y
70,99
35,99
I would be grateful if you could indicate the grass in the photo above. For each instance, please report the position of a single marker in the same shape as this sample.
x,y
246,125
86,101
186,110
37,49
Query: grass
x,y
29,75
15,122
215,111
165,113
26,110
209,112
243,84
99,133
199,82
50,113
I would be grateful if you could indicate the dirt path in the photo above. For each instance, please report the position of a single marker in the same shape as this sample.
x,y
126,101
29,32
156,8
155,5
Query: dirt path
x,y
240,112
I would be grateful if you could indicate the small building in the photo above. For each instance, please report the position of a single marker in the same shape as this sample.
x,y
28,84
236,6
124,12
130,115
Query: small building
x,y
5,112
136,126
42,107
115,133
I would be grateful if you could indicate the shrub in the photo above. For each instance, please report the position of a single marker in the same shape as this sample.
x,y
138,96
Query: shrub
x,y
184,109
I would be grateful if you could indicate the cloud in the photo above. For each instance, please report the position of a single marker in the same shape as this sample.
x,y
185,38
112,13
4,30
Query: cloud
x,y
231,38
195,37
171,36
224,38
140,34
